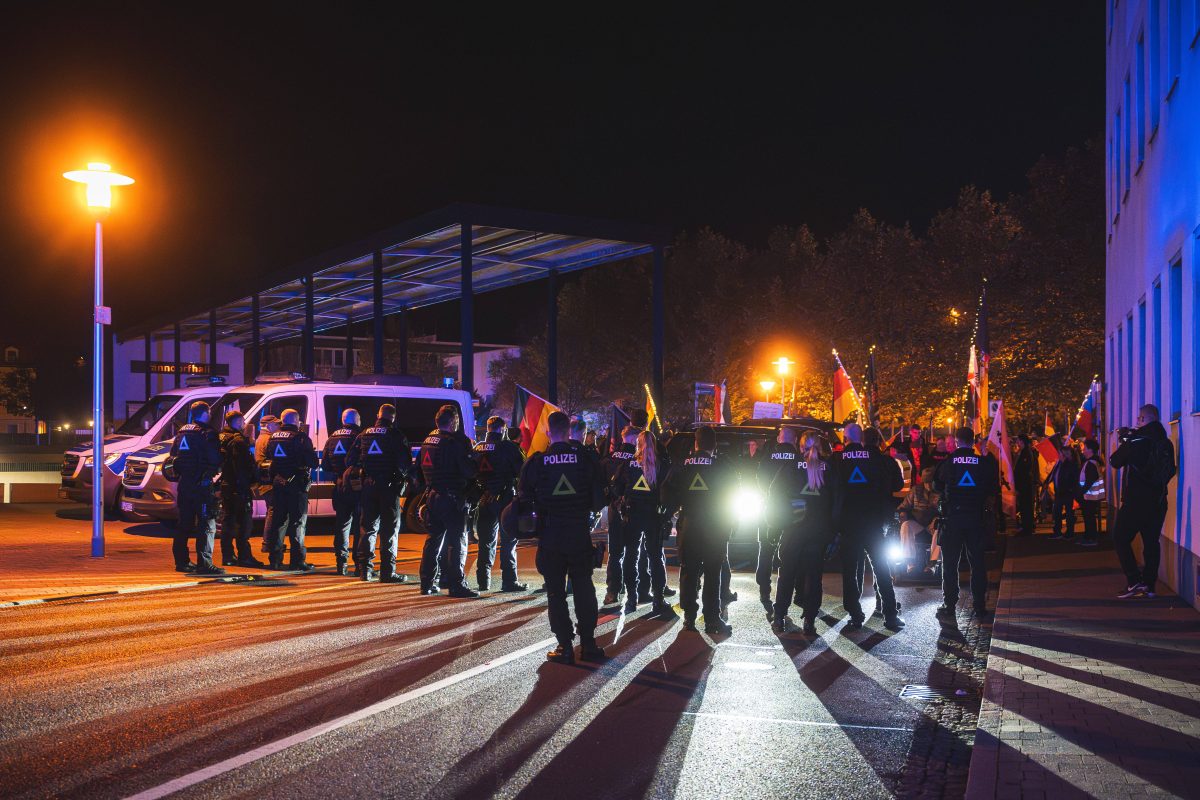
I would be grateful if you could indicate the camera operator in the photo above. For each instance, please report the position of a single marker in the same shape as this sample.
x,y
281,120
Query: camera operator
x,y
1149,459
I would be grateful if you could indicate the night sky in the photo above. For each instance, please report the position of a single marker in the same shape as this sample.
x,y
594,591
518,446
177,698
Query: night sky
x,y
258,139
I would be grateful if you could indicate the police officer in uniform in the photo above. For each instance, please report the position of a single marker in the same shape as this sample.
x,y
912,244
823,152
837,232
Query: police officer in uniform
x,y
268,425
864,499
699,487
346,510
238,474
292,456
968,484
446,466
197,456
498,462
564,486
383,452
769,534
617,563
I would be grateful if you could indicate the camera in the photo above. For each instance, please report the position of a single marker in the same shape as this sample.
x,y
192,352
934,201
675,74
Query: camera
x,y
1125,434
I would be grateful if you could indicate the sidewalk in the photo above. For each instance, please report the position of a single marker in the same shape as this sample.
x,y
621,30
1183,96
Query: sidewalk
x,y
45,551
1086,695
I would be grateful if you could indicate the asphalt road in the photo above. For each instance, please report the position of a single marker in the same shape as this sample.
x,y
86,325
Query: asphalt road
x,y
324,686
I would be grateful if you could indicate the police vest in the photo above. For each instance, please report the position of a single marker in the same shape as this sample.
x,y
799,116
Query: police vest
x,y
564,483
383,451
965,477
859,473
701,484
1096,491
809,506
194,446
496,463
639,493
287,453
337,449
442,461
785,455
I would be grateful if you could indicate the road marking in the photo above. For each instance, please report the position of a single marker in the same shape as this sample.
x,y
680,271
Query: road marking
x,y
752,646
259,753
262,600
801,722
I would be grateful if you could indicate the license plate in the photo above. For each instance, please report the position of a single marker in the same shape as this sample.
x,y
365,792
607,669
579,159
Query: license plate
x,y
127,506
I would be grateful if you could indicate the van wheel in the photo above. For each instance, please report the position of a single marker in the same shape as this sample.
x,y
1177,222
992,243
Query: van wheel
x,y
114,511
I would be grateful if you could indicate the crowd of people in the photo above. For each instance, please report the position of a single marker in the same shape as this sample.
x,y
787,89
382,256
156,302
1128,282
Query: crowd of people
x,y
824,493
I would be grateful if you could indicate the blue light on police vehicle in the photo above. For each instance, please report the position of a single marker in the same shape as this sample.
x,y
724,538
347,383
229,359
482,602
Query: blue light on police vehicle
x,y
447,383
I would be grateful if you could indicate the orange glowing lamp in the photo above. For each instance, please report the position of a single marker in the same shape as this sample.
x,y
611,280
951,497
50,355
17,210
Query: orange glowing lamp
x,y
99,179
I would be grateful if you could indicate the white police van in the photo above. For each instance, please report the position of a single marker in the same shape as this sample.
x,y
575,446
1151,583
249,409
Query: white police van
x,y
320,403
156,421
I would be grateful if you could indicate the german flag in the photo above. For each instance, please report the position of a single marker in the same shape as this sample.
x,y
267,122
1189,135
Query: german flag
x,y
530,413
845,403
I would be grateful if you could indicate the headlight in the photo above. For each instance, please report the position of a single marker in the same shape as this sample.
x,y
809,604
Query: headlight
x,y
87,462
895,552
111,457
748,505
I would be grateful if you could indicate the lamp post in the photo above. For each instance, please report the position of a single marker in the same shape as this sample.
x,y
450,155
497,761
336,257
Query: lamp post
x,y
782,367
767,386
99,179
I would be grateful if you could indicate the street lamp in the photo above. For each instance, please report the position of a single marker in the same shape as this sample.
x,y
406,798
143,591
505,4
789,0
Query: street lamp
x,y
99,179
767,386
782,368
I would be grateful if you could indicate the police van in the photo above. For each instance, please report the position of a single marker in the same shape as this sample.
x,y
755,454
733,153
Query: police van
x,y
156,421
320,404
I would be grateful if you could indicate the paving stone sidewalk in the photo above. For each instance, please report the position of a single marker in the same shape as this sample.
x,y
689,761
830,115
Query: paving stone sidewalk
x,y
1086,695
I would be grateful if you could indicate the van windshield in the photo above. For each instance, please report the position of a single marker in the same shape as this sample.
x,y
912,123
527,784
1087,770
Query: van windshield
x,y
232,401
154,409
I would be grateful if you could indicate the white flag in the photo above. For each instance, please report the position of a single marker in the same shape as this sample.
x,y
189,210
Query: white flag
x,y
997,445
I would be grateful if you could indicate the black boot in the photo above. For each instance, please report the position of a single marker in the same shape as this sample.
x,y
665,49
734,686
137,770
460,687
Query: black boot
x,y
342,569
590,651
564,653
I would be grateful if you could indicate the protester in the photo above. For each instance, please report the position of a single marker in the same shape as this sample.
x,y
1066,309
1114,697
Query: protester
x,y
918,510
1148,458
1091,492
1065,477
1025,475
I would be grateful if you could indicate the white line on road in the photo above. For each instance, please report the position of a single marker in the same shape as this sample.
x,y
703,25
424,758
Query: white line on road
x,y
802,722
259,753
262,600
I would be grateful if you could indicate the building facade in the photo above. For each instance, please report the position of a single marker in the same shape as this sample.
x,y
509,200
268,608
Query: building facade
x,y
1152,335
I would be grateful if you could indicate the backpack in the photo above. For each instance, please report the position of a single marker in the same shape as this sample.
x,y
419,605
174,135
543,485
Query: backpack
x,y
1160,464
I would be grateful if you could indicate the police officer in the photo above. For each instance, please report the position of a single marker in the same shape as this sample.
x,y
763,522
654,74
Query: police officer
x,y
699,486
801,502
498,463
383,452
640,421
782,457
968,484
564,487
197,456
864,499
269,424
617,564
292,456
446,466
346,510
637,486
238,474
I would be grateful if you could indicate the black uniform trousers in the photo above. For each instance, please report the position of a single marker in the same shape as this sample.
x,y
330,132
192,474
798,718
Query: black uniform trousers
x,y
701,556
768,558
863,541
557,567
235,523
1134,518
447,533
615,574
956,536
643,545
801,565
1026,509
1064,509
380,521
289,512
198,518
1090,511
487,529
347,517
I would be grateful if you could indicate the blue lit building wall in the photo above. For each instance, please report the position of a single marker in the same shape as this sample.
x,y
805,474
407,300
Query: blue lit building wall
x,y
1152,126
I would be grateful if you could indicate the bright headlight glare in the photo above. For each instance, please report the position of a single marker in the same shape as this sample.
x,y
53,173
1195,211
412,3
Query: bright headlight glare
x,y
748,504
895,552
110,458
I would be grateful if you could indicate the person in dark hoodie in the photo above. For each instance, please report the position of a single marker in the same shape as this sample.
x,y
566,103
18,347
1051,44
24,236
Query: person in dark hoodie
x,y
1065,477
238,473
1148,458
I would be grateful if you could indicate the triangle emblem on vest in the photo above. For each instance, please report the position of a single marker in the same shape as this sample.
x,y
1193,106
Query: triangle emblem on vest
x,y
183,444
857,476
279,452
374,449
640,485
809,490
563,486
427,459
966,479
338,449
484,464
698,484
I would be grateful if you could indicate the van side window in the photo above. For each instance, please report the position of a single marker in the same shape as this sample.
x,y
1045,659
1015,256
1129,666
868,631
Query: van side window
x,y
179,419
277,405
415,416
367,407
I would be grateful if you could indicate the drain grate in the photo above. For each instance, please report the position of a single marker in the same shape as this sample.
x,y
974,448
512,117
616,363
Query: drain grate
x,y
918,691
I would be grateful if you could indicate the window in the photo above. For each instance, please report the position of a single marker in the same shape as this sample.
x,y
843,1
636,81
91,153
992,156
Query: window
x,y
1128,136
1117,155
1157,361
1140,73
1174,42
1113,381
329,357
12,354
1175,298
1195,311
414,415
1114,202
277,405
1155,64
1119,380
1141,384
1129,367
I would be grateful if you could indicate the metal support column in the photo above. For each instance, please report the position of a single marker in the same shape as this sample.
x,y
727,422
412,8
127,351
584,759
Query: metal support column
x,y
255,337
178,361
349,346
212,342
308,325
404,341
658,368
467,316
377,315
146,349
552,336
